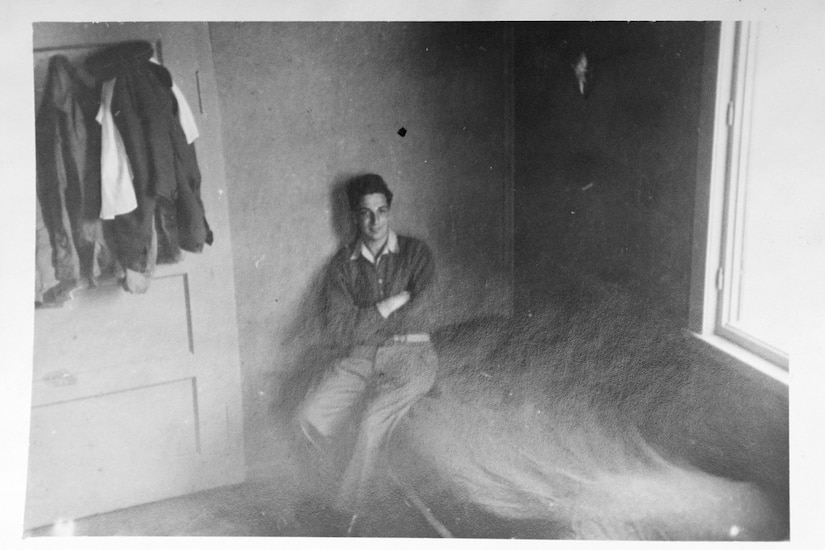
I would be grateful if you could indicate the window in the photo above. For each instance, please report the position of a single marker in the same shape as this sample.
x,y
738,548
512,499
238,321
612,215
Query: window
x,y
759,181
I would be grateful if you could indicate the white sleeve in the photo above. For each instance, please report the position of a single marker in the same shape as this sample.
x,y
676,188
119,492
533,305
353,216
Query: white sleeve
x,y
187,120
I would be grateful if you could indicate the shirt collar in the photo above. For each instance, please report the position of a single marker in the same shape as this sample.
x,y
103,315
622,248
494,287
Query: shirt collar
x,y
360,249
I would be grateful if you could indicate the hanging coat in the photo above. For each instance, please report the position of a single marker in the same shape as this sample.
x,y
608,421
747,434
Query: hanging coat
x,y
165,171
68,179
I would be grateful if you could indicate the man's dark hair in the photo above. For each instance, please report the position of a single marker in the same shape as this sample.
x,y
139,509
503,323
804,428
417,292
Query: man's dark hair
x,y
366,184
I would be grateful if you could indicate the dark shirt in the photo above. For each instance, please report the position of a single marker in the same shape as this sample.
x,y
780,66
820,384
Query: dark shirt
x,y
354,286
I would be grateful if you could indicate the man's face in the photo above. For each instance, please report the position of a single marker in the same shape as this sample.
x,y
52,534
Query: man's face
x,y
373,217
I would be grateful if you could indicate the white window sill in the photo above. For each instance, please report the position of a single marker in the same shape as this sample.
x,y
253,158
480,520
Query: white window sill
x,y
741,357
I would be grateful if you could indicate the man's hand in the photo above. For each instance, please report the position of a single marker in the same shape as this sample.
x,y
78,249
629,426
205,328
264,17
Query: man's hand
x,y
389,305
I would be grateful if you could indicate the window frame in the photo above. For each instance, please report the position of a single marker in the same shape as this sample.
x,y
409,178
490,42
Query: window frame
x,y
722,165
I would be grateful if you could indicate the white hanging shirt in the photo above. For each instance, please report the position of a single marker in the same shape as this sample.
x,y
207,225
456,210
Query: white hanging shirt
x,y
117,193
187,120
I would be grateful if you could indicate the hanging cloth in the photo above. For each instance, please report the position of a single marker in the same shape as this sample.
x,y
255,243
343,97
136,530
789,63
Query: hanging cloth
x,y
165,173
185,116
117,193
68,181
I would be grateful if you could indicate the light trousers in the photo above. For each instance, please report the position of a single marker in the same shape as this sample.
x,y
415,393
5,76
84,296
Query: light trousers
x,y
401,375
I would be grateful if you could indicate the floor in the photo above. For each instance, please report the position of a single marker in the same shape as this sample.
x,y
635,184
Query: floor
x,y
280,499
260,507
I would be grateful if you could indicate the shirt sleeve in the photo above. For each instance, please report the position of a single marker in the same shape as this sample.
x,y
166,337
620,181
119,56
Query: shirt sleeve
x,y
347,322
418,314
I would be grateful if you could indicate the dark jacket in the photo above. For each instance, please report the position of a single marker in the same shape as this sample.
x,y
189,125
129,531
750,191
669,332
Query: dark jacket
x,y
165,171
68,167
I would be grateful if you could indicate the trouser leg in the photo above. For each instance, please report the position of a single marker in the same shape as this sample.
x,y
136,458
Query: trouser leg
x,y
331,403
405,373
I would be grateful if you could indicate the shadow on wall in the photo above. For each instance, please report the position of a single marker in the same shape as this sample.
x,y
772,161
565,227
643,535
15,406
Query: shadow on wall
x,y
310,348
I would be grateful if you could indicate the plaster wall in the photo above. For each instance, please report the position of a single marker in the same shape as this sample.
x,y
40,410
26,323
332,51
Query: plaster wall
x,y
605,179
